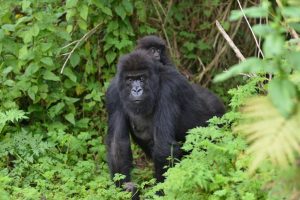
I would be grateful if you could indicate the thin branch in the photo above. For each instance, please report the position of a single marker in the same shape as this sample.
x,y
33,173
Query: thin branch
x,y
230,42
70,44
78,42
260,51
220,53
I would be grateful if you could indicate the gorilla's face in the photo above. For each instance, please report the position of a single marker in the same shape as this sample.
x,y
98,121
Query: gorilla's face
x,y
138,86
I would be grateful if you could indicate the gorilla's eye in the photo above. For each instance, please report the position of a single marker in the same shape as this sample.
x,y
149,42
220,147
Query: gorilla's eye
x,y
152,49
158,50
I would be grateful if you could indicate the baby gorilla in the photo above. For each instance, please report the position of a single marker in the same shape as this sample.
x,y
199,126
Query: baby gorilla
x,y
156,105
156,47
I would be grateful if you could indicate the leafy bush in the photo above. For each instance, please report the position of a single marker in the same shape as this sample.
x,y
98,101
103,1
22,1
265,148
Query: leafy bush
x,y
56,60
216,167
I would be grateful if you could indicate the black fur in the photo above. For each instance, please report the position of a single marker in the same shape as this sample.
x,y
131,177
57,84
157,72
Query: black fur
x,y
214,104
150,41
159,123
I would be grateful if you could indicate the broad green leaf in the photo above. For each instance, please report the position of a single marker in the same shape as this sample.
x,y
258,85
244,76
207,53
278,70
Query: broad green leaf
x,y
32,92
69,28
35,30
23,53
128,6
110,56
251,65
103,8
75,59
82,24
70,14
70,118
25,4
120,11
27,36
71,3
1,34
48,75
253,12
9,27
292,12
45,46
84,11
48,61
273,45
262,29
293,59
69,73
283,94
113,25
31,69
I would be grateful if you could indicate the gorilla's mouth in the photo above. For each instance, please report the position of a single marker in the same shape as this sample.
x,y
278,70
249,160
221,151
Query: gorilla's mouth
x,y
137,101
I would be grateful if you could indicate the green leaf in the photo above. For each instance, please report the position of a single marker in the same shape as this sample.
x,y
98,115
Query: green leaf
x,y
110,56
292,12
9,27
71,3
70,118
75,59
103,8
293,59
262,29
35,30
31,69
283,94
23,53
82,24
128,6
48,75
253,12
32,92
1,35
273,45
84,11
69,73
48,61
251,65
120,11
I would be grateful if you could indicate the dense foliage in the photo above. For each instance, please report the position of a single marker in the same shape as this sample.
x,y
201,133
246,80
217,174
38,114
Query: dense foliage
x,y
57,58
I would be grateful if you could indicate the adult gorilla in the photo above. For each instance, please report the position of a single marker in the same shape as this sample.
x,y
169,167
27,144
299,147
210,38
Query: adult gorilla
x,y
156,47
156,105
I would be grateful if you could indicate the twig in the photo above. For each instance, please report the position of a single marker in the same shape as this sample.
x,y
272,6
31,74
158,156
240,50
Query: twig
x,y
259,50
225,14
230,42
70,44
220,53
78,42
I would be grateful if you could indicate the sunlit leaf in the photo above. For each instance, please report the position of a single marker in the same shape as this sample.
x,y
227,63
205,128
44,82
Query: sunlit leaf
x,y
271,136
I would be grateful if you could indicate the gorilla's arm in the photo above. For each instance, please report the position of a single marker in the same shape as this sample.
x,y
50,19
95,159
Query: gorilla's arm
x,y
119,153
118,143
169,108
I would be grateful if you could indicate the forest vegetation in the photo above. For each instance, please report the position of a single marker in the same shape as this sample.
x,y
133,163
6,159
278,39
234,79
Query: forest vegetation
x,y
57,58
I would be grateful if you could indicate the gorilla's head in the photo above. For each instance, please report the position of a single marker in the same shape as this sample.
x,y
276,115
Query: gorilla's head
x,y
138,82
156,47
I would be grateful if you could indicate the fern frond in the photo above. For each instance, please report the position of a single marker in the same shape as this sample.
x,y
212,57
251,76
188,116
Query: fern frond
x,y
271,136
12,115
